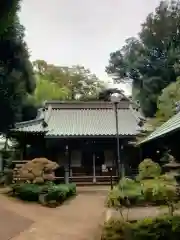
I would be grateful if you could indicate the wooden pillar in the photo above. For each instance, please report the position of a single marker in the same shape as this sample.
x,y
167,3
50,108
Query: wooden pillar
x,y
123,170
66,165
69,162
94,168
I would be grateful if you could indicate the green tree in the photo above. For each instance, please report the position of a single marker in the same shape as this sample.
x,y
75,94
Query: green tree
x,y
16,73
152,60
46,90
8,10
83,84
166,104
78,81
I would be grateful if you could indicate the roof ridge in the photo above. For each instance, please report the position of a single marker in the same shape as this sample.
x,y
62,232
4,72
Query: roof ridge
x,y
19,124
85,105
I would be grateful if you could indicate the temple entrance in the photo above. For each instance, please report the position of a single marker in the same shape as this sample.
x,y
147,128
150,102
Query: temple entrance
x,y
92,163
99,161
87,162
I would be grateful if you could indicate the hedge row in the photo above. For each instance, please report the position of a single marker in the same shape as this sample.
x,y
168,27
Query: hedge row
x,y
47,194
164,227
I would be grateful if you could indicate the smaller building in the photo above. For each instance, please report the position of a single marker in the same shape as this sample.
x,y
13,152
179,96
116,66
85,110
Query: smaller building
x,y
167,136
81,137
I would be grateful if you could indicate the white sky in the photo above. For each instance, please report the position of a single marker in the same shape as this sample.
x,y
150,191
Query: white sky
x,y
69,32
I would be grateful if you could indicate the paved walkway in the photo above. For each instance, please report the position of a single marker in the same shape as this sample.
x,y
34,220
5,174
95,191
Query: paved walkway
x,y
77,219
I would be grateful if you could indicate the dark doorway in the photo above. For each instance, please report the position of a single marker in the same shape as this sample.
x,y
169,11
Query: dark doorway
x,y
87,162
99,161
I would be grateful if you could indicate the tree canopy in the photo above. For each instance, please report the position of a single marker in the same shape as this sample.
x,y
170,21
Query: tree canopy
x,y
8,11
46,90
152,59
65,83
166,104
16,73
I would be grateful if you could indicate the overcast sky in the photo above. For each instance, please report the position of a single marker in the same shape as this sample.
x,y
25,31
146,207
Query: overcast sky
x,y
69,32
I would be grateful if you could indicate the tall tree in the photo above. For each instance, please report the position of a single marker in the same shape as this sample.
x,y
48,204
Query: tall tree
x,y
152,60
8,10
46,90
16,73
79,82
166,104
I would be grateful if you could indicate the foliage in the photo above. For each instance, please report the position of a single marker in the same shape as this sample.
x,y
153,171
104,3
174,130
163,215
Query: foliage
x,y
47,194
152,60
8,12
127,193
160,192
114,198
115,229
39,170
74,82
26,191
151,188
164,227
105,94
155,191
126,183
168,178
166,104
16,73
46,90
148,169
57,194
7,165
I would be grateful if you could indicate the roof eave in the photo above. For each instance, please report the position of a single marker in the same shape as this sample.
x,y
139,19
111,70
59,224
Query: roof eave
x,y
90,136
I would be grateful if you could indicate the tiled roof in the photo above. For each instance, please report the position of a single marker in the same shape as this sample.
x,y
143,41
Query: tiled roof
x,y
85,119
172,125
30,126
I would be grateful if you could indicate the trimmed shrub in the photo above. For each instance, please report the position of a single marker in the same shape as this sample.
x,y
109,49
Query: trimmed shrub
x,y
148,169
38,170
26,191
59,193
164,227
48,194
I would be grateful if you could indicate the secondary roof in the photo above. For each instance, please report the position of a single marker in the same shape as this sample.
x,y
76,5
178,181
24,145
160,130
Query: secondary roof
x,y
172,125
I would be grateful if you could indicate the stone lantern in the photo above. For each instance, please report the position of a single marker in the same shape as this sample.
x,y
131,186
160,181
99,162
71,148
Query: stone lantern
x,y
173,167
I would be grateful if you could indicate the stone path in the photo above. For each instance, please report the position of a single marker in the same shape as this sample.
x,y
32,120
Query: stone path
x,y
77,219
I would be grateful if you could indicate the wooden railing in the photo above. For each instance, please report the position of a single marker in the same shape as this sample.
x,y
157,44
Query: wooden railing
x,y
79,174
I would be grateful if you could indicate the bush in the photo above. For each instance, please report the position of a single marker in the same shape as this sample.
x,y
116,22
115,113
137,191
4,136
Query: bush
x,y
127,192
57,194
115,229
48,194
114,198
164,227
168,178
151,189
27,192
148,169
126,183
